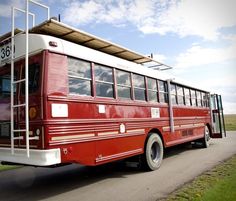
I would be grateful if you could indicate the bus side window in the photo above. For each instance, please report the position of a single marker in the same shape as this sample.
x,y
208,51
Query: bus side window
x,y
139,87
193,97
163,94
104,81
173,94
205,102
199,101
123,84
152,89
187,97
180,94
79,73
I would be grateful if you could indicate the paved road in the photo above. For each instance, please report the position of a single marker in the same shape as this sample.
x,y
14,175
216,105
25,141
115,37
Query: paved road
x,y
114,182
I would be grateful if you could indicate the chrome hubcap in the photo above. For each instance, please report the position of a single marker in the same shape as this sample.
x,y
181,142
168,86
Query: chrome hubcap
x,y
155,152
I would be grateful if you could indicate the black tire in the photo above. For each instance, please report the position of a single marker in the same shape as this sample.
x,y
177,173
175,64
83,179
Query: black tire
x,y
206,140
153,155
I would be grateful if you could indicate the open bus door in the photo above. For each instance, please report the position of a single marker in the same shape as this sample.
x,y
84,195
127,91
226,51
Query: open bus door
x,y
217,117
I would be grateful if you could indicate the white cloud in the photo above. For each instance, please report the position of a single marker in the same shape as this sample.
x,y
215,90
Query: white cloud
x,y
81,13
5,7
202,18
159,57
197,56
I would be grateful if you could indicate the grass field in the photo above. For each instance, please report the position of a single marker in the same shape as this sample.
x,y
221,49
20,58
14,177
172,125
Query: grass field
x,y
7,167
215,185
230,122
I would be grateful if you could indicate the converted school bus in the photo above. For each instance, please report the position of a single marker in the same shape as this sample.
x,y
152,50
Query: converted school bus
x,y
86,100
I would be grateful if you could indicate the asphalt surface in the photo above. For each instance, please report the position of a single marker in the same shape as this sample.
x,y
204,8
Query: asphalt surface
x,y
114,182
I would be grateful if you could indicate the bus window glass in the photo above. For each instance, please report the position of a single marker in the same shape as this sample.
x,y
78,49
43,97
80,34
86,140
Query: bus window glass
x,y
205,99
6,85
123,78
123,84
79,86
199,100
152,89
34,76
104,90
79,68
180,93
187,96
103,74
139,87
104,81
163,94
173,94
193,97
79,73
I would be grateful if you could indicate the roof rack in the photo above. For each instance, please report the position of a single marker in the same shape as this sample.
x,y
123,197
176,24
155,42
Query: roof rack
x,y
58,29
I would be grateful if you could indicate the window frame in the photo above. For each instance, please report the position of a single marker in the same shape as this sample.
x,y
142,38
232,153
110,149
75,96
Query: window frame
x,y
173,95
139,88
153,91
182,95
195,98
81,78
123,85
114,90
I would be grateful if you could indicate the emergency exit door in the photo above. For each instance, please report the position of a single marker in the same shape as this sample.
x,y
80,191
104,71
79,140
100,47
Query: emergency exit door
x,y
218,123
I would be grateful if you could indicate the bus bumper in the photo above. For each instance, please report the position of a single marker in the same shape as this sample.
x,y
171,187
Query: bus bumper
x,y
46,157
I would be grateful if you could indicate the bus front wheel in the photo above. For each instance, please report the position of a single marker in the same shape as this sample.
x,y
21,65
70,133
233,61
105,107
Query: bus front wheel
x,y
153,155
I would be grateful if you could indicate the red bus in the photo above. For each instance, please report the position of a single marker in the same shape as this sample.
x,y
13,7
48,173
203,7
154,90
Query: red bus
x,y
93,102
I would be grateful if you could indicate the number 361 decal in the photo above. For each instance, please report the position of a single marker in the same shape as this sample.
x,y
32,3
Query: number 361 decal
x,y
5,51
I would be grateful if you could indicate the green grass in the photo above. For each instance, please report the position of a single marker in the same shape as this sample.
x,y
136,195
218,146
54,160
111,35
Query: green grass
x,y
215,185
7,167
230,122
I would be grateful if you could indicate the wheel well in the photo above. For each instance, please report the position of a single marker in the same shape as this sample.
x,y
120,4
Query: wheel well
x,y
157,131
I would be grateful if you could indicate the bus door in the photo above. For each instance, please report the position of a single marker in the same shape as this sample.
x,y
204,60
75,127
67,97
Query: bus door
x,y
217,117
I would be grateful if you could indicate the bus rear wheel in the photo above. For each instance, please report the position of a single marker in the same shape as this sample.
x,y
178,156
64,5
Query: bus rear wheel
x,y
206,139
153,155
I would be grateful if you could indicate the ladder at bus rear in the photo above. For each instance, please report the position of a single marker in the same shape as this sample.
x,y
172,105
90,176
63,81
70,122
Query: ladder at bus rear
x,y
217,116
14,83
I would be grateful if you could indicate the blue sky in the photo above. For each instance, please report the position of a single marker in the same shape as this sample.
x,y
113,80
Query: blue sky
x,y
196,37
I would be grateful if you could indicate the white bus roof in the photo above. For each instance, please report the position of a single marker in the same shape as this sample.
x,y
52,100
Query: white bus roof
x,y
58,29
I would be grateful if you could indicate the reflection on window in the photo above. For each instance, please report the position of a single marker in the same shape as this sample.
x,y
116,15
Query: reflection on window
x,y
205,99
123,84
34,75
193,97
104,81
5,86
199,99
173,94
152,90
187,97
79,86
79,73
163,94
139,87
180,97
